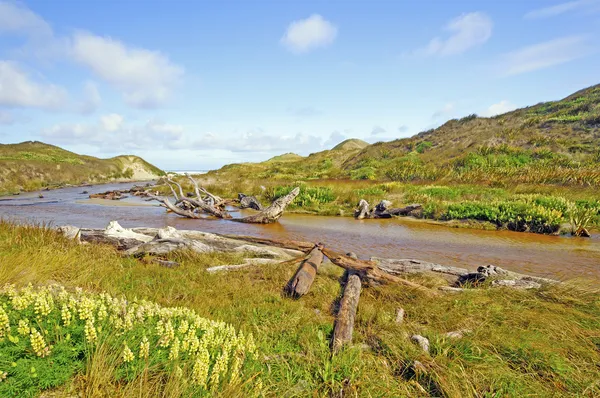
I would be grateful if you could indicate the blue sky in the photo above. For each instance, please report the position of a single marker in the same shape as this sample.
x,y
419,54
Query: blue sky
x,y
198,84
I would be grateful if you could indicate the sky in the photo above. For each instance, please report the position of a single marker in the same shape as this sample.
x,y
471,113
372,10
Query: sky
x,y
198,84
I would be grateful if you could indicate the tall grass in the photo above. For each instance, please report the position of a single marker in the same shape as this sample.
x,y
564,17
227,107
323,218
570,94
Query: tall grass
x,y
522,343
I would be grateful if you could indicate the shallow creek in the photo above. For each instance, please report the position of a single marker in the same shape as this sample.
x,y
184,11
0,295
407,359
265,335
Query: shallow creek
x,y
552,256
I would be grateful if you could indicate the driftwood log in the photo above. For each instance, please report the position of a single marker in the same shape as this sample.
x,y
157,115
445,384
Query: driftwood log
x,y
304,276
249,202
273,212
109,195
369,272
214,205
382,210
344,323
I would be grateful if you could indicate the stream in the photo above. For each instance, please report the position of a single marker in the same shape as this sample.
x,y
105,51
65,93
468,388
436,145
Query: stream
x,y
551,256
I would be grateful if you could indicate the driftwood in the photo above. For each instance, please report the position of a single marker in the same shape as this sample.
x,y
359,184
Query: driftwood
x,y
113,234
369,271
273,212
158,242
362,211
249,202
213,205
344,323
382,210
462,276
287,244
109,195
302,280
250,262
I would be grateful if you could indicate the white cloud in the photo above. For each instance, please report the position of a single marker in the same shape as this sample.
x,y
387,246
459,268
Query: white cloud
x,y
403,128
499,108
546,54
466,31
6,118
445,110
111,132
111,122
15,18
17,89
562,8
145,77
308,34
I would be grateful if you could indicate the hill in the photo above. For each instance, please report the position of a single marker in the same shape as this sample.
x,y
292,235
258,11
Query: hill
x,y
554,142
34,165
352,143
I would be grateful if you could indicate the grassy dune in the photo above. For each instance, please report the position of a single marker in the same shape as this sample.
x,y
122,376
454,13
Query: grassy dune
x,y
31,166
542,343
535,169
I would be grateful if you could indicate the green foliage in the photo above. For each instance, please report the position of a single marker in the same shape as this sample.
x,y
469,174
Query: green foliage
x,y
363,173
423,146
308,196
47,335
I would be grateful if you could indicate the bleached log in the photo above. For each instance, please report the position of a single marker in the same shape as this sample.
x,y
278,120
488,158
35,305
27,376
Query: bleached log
x,y
273,212
362,211
302,280
249,263
370,272
344,323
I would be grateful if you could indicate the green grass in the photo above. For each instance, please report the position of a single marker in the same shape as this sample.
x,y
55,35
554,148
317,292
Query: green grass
x,y
541,343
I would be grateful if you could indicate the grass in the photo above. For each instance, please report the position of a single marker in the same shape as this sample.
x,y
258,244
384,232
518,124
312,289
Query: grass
x,y
30,166
541,343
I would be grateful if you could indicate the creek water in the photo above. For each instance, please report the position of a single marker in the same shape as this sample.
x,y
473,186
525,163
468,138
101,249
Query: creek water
x,y
551,256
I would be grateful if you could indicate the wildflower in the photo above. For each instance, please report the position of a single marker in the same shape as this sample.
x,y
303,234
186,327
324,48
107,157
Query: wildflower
x,y
3,376
86,308
38,344
65,314
236,366
200,369
127,353
219,369
23,327
144,348
43,305
90,331
183,327
174,352
168,334
4,323
102,312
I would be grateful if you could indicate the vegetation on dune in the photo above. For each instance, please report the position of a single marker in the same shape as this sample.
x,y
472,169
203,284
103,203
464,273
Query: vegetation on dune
x,y
31,166
470,168
521,343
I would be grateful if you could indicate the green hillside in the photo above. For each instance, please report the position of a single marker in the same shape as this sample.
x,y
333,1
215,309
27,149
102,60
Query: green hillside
x,y
550,143
34,165
534,169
